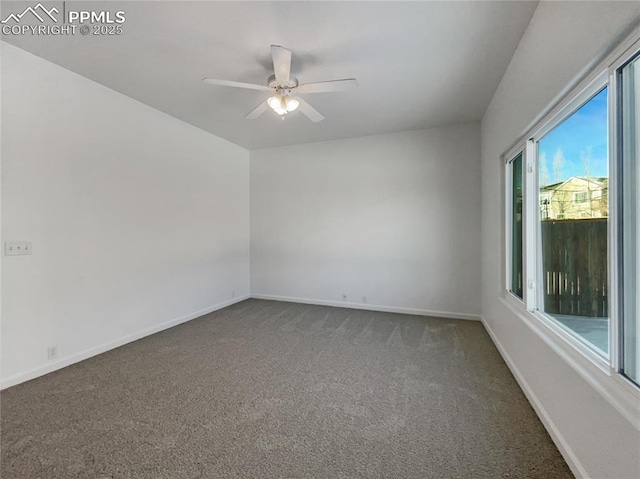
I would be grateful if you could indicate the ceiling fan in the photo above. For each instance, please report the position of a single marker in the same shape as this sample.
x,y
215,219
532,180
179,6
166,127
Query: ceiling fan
x,y
285,88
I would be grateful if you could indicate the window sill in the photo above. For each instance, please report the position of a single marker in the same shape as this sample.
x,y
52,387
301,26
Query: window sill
x,y
598,359
617,390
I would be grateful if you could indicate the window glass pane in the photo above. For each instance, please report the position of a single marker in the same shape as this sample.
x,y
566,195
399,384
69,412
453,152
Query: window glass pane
x,y
516,226
631,219
574,186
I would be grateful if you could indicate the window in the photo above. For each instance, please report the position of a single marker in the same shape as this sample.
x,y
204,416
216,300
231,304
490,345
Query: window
x,y
581,197
629,82
515,166
573,254
572,251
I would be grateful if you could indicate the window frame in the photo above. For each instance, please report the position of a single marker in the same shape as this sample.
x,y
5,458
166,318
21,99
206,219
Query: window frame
x,y
534,227
603,374
629,55
508,159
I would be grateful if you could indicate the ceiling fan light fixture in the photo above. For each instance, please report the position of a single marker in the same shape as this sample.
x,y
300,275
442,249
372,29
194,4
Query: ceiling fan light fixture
x,y
291,103
282,104
275,102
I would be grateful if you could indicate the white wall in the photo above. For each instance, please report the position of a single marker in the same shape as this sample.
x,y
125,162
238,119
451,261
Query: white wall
x,y
394,217
137,219
596,438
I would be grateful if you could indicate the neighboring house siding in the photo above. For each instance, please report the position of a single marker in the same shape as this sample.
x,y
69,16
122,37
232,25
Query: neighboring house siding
x,y
576,198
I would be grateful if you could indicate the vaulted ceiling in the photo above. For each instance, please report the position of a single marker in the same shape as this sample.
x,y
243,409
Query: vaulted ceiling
x,y
418,64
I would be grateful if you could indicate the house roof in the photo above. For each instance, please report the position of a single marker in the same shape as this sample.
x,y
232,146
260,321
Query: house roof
x,y
601,182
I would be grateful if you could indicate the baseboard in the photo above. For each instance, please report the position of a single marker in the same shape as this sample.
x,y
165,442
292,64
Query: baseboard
x,y
369,307
562,445
87,353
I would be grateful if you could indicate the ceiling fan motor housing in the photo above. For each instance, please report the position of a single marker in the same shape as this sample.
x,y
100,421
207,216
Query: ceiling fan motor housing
x,y
285,88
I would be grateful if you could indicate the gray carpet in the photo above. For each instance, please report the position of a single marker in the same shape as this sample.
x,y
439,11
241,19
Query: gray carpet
x,y
272,389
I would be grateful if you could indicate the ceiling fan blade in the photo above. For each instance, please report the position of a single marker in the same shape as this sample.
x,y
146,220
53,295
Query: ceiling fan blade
x,y
281,63
309,111
327,86
236,84
257,111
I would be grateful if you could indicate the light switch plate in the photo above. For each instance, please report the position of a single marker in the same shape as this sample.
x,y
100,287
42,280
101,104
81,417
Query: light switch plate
x,y
16,248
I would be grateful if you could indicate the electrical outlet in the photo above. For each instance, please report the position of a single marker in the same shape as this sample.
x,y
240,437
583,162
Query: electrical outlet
x,y
52,352
364,299
17,248
344,297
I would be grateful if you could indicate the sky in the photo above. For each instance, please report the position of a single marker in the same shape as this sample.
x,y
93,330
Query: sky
x,y
580,140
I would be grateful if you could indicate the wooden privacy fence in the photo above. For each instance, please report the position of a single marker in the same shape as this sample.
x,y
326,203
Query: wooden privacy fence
x,y
575,267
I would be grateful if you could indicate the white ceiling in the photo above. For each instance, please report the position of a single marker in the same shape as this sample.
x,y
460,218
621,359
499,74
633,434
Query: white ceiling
x,y
419,64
